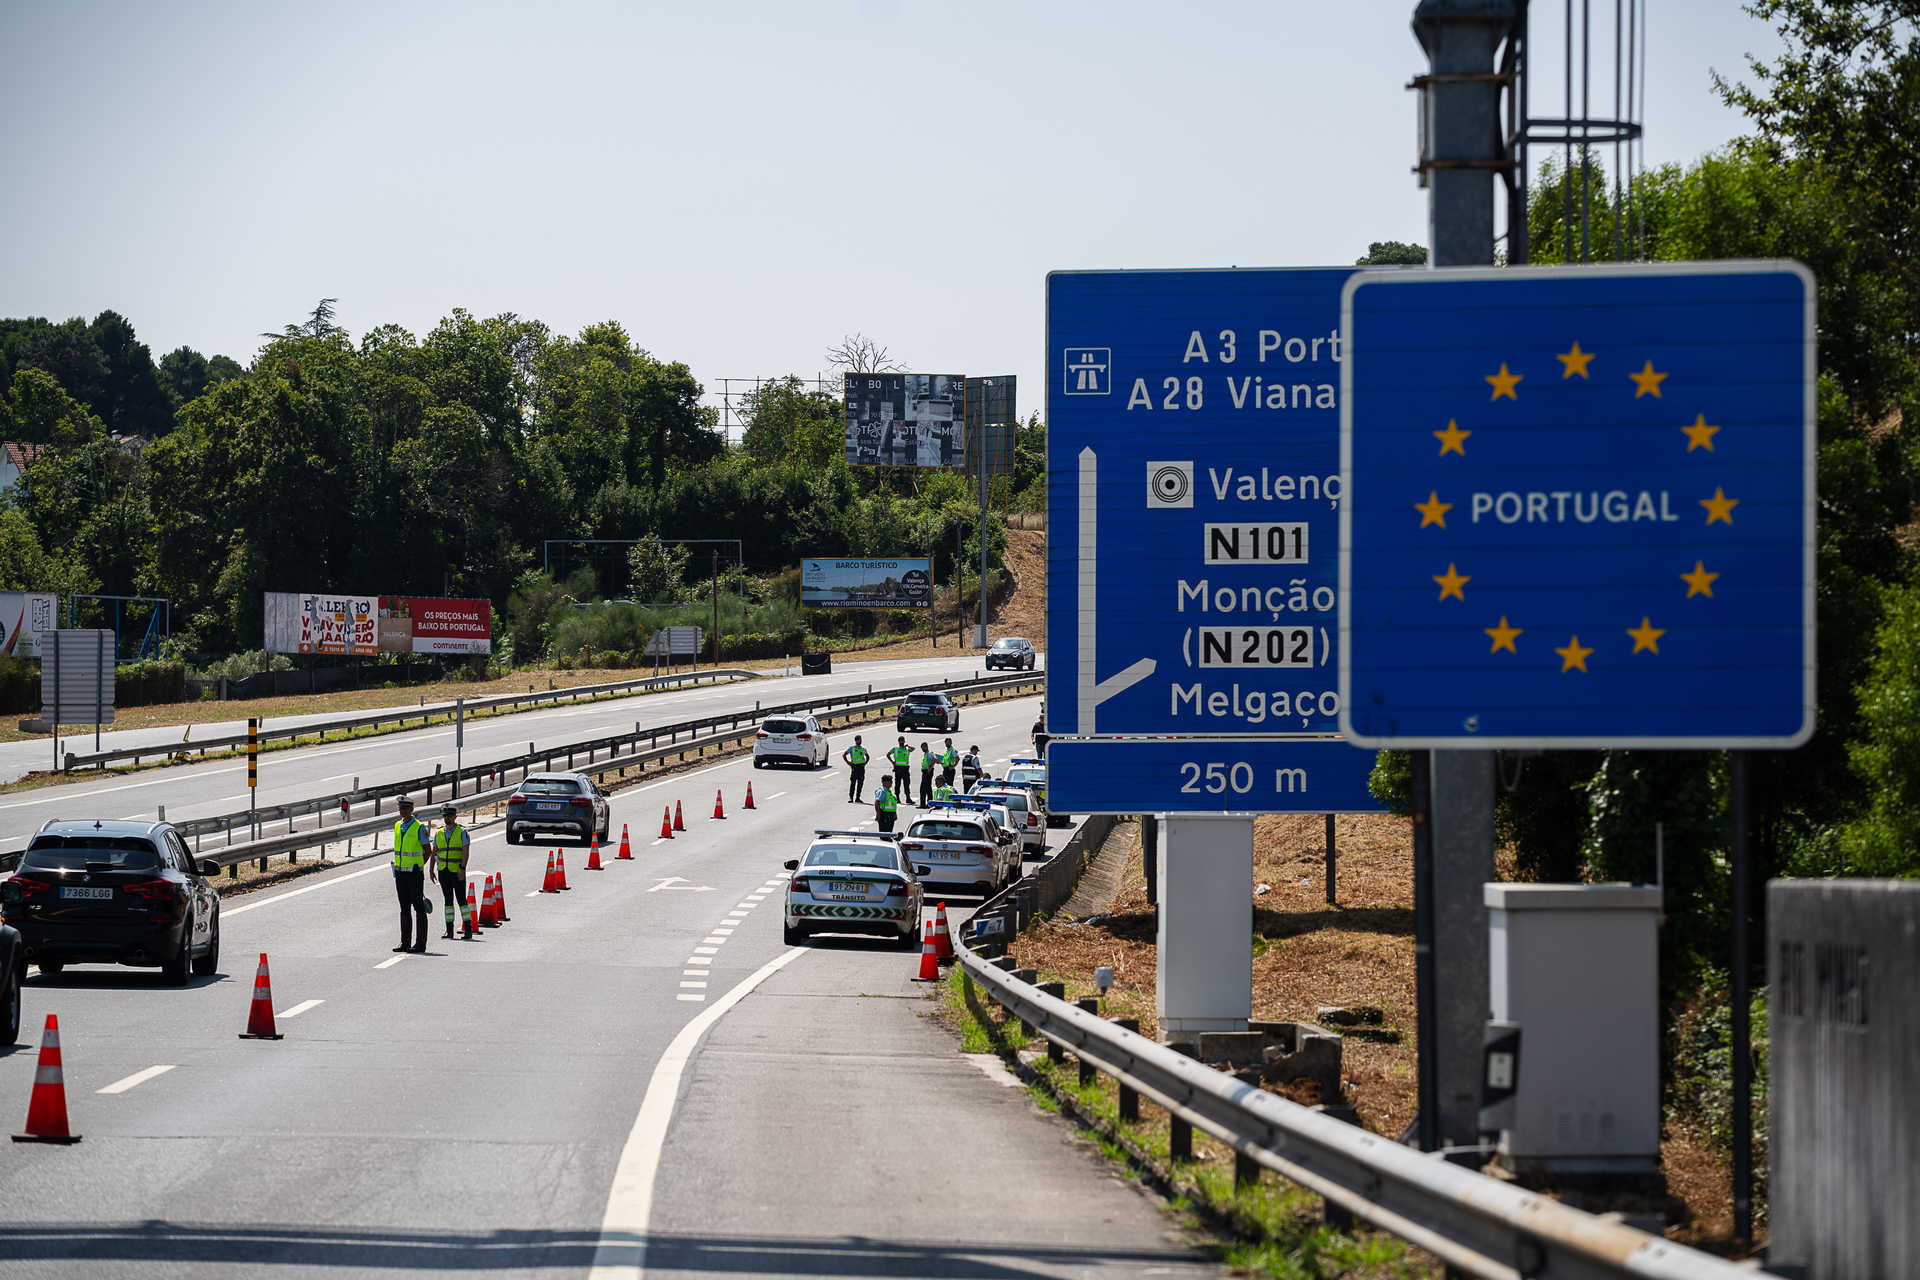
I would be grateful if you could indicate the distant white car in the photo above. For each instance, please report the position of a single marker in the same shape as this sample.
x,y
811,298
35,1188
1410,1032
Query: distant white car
x,y
795,739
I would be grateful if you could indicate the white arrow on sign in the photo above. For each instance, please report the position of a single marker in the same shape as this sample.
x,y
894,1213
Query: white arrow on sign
x,y
676,882
1092,691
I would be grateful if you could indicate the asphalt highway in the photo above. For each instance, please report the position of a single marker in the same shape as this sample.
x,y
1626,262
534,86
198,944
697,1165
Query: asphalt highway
x,y
216,787
637,1073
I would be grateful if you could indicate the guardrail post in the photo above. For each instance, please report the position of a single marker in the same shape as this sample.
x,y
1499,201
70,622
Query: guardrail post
x,y
1092,1005
1129,1098
1179,1139
1058,990
1246,1170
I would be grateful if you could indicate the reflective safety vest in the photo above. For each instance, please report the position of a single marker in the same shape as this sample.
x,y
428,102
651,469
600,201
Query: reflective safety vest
x,y
450,846
943,793
409,849
857,754
926,761
902,756
887,802
949,758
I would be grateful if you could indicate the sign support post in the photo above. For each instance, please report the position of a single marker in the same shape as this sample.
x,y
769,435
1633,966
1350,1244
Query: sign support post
x,y
1461,128
253,775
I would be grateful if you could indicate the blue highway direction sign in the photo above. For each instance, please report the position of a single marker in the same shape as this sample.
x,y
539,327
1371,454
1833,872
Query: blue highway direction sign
x,y
1578,507
1193,497
1198,775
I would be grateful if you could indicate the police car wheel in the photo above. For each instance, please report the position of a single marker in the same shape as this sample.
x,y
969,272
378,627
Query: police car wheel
x,y
759,763
793,934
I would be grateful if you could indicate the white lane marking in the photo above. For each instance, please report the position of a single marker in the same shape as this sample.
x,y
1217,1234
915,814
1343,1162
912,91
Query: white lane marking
x,y
723,933
706,951
694,985
299,1009
684,996
388,964
695,973
536,893
776,795
661,840
630,1199
229,912
137,1078
64,795
714,940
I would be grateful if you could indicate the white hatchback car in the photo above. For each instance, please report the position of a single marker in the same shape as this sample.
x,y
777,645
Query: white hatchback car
x,y
853,882
797,739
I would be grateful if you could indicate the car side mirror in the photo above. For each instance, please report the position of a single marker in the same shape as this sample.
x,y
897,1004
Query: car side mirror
x,y
791,864
207,867
923,871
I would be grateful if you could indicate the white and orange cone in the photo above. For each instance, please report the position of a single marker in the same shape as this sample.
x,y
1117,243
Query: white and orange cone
x,y
260,1014
560,871
551,884
500,915
719,810
626,848
679,822
666,824
929,961
942,940
593,854
47,1108
749,804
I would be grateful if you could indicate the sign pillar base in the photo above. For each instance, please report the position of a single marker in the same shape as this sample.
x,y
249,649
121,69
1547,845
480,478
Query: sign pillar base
x,y
1462,864
1205,954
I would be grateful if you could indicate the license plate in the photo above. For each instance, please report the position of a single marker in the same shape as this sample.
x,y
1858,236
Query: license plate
x,y
549,806
97,894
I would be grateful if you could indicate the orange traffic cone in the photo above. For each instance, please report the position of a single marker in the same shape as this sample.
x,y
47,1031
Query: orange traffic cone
x,y
679,823
560,871
470,927
749,803
929,962
47,1108
260,1016
626,849
942,940
666,824
718,810
593,854
500,901
551,884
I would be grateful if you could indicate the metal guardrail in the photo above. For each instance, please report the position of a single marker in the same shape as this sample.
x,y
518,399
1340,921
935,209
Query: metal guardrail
x,y
346,725
1469,1221
739,726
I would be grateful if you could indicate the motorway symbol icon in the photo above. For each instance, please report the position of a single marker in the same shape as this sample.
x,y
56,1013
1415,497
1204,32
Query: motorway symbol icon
x,y
1579,507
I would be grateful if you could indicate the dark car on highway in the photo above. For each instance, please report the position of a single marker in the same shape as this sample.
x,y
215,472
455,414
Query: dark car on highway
x,y
569,802
1011,652
13,971
928,710
114,893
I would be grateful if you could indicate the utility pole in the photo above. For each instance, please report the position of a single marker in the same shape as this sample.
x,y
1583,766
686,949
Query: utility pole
x,y
980,635
1462,149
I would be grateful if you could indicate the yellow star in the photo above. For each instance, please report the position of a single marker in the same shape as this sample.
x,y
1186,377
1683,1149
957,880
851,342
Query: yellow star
x,y
1719,506
1646,635
1451,582
1433,511
1503,636
1451,439
1503,382
1647,382
1573,656
1699,582
1574,361
1700,435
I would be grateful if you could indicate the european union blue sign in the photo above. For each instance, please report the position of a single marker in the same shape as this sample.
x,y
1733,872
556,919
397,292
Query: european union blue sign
x,y
1578,507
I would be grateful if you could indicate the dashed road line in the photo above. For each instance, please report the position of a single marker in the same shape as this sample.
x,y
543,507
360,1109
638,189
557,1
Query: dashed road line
x,y
299,1009
684,996
776,795
388,964
706,951
137,1078
701,986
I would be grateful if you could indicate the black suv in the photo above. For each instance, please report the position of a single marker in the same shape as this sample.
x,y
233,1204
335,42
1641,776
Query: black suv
x,y
928,710
114,893
1011,652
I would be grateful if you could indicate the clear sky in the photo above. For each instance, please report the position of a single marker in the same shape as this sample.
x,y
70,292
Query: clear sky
x,y
739,184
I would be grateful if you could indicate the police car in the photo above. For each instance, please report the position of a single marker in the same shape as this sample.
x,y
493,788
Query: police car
x,y
1028,818
853,882
963,846
1025,771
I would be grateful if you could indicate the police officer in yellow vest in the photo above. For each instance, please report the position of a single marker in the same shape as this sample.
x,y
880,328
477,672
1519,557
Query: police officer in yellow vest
x,y
902,758
856,758
450,845
411,840
886,805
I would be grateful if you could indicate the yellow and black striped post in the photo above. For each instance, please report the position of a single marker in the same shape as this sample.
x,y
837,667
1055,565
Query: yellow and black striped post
x,y
253,773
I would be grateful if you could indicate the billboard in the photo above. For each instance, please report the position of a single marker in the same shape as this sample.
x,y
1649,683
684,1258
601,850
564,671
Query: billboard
x,y
866,584
364,626
415,624
906,419
22,615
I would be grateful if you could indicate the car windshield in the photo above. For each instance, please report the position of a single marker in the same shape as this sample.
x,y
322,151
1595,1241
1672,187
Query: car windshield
x,y
1013,800
550,787
73,853
945,829
1026,775
923,701
785,726
837,855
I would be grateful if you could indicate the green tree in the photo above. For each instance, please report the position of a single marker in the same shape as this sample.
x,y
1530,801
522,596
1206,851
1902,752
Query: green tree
x,y
657,570
134,400
1393,253
1885,840
43,413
